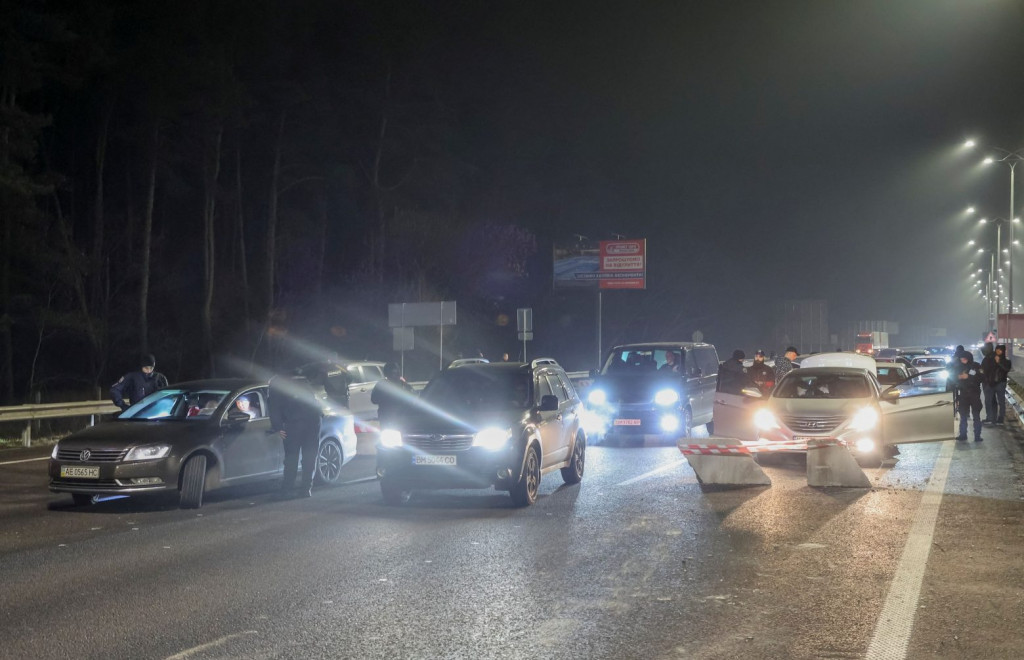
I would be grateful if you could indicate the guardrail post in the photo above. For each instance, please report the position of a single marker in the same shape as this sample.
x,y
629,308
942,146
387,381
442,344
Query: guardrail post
x,y
26,435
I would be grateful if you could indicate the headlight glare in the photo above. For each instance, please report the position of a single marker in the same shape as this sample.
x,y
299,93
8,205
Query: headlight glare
x,y
669,423
765,420
864,419
666,397
597,397
390,438
865,445
492,438
148,453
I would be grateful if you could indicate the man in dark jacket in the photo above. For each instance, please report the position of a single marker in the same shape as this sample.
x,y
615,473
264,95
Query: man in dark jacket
x,y
967,378
390,393
732,375
137,385
997,371
295,414
762,375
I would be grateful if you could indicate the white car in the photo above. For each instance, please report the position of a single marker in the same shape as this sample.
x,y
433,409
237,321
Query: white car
x,y
837,396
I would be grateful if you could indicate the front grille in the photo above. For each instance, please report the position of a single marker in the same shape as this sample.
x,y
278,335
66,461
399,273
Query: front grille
x,y
825,424
439,442
95,455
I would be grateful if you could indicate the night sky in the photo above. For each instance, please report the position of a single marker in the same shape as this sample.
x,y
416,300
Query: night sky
x,y
768,150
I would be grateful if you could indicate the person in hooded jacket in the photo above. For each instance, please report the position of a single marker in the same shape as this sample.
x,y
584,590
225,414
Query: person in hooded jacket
x,y
967,376
997,370
137,385
784,364
732,375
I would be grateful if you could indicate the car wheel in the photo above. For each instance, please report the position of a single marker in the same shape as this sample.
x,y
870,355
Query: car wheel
x,y
82,499
394,494
524,493
193,483
328,462
573,472
685,427
871,461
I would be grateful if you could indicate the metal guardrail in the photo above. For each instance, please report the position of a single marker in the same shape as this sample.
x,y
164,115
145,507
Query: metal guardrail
x,y
32,412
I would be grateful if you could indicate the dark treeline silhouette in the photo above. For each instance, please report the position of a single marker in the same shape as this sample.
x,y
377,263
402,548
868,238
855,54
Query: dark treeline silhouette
x,y
198,180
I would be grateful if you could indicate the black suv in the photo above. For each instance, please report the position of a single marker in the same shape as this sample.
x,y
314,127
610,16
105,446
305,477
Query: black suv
x,y
481,425
662,389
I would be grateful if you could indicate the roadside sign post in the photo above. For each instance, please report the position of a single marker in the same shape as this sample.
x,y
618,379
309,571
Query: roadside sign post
x,y
403,340
524,326
405,315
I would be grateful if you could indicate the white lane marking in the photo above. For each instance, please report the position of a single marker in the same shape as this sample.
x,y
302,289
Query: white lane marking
x,y
187,653
26,460
645,475
896,622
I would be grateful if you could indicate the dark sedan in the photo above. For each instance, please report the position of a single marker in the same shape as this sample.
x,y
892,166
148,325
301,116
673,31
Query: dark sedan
x,y
191,438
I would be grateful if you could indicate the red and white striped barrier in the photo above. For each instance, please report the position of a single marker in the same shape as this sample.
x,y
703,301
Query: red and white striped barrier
x,y
724,463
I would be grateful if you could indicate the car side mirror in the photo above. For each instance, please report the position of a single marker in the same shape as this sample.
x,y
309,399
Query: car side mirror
x,y
752,392
237,417
548,402
891,395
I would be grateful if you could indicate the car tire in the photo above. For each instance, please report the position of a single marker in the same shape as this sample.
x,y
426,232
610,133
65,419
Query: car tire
x,y
870,461
81,499
329,459
394,494
193,482
573,472
686,426
524,492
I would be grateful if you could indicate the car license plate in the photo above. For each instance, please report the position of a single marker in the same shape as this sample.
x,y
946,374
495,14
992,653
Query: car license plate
x,y
80,472
429,459
627,422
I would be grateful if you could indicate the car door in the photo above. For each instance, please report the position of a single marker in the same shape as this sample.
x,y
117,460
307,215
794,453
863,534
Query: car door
x,y
922,412
550,423
250,449
364,377
692,386
734,415
707,359
566,418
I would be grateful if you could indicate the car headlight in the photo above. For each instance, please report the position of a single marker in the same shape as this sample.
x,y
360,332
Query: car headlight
x,y
148,453
594,423
765,420
865,445
864,419
390,438
669,423
53,454
493,438
597,397
666,397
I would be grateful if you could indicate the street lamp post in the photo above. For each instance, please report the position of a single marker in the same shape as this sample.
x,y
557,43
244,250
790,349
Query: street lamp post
x,y
1010,158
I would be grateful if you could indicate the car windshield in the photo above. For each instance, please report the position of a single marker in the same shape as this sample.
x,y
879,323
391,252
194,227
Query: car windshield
x,y
176,404
633,360
890,376
930,362
471,388
822,386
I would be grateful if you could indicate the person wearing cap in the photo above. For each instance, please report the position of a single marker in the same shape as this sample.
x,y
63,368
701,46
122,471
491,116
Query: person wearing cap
x,y
784,364
137,385
389,393
762,375
967,376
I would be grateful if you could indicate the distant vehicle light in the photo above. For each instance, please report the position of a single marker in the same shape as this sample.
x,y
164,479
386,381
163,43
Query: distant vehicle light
x,y
666,397
597,397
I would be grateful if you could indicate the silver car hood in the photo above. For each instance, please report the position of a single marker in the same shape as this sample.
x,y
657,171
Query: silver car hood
x,y
818,407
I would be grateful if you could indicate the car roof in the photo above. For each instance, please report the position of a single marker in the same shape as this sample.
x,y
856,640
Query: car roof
x,y
230,384
846,360
827,371
647,346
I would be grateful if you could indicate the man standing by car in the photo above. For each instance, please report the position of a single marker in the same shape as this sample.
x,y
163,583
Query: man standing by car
x,y
295,414
732,375
968,378
997,370
390,393
784,364
762,375
137,385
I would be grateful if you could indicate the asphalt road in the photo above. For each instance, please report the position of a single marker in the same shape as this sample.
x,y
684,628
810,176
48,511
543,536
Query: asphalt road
x,y
638,561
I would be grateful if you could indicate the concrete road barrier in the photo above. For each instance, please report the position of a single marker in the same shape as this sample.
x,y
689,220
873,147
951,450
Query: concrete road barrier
x,y
723,462
830,463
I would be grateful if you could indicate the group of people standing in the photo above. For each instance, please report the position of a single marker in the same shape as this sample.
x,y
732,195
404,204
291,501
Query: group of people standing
x,y
971,380
734,376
